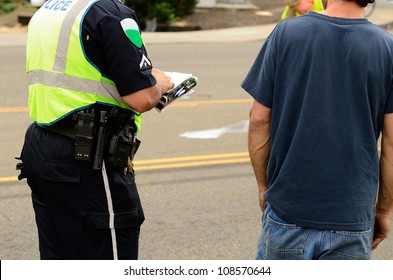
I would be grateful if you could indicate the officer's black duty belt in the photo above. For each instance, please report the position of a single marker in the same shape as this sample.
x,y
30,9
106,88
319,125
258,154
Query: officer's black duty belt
x,y
63,130
107,134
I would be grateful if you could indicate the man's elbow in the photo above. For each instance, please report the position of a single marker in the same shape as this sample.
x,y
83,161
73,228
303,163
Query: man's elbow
x,y
256,119
260,115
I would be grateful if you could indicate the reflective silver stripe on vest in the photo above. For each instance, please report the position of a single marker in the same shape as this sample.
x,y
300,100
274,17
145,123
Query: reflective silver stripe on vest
x,y
72,83
66,27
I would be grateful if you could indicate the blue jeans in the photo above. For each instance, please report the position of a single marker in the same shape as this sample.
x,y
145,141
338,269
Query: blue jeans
x,y
280,240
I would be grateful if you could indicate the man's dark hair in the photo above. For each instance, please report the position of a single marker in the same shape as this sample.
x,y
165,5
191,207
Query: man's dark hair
x,y
364,3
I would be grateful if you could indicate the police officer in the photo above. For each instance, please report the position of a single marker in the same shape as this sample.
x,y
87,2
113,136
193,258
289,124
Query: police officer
x,y
89,81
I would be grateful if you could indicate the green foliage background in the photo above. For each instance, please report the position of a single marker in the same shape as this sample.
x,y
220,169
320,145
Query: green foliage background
x,y
165,11
7,6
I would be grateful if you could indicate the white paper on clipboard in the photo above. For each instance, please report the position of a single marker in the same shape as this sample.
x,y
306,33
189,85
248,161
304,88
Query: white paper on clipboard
x,y
183,85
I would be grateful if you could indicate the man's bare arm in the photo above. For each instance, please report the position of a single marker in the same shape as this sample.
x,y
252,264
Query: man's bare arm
x,y
385,193
259,146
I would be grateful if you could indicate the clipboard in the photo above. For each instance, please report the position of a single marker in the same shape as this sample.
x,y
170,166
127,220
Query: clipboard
x,y
184,84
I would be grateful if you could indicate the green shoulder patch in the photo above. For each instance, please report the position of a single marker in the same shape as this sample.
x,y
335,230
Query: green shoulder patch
x,y
131,29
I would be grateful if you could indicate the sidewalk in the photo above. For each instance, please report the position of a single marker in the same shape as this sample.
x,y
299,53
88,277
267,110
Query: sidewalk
x,y
382,16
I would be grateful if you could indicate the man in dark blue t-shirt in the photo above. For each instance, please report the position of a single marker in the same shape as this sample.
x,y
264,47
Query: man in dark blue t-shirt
x,y
323,90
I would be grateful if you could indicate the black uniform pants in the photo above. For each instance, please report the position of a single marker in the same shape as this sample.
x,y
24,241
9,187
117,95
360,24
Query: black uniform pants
x,y
80,213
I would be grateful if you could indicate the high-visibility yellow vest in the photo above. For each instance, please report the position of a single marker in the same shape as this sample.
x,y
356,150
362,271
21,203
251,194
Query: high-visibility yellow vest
x,y
61,79
317,7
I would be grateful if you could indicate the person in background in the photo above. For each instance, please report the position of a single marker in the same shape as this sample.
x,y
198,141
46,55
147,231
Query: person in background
x,y
295,8
323,93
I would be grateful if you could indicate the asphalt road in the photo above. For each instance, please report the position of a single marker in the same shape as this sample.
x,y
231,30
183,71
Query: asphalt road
x,y
205,205
199,195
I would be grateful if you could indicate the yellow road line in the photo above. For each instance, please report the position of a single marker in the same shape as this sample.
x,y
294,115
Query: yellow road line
x,y
14,109
8,179
176,162
185,103
191,158
191,164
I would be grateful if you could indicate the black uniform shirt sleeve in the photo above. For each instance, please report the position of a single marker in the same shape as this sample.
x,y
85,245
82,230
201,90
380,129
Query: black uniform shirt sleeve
x,y
111,52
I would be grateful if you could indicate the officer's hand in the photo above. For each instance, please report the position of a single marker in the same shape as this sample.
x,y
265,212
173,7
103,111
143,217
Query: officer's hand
x,y
163,81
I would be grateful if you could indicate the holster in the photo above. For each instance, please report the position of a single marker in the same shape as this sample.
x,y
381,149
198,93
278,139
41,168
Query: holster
x,y
119,147
120,139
